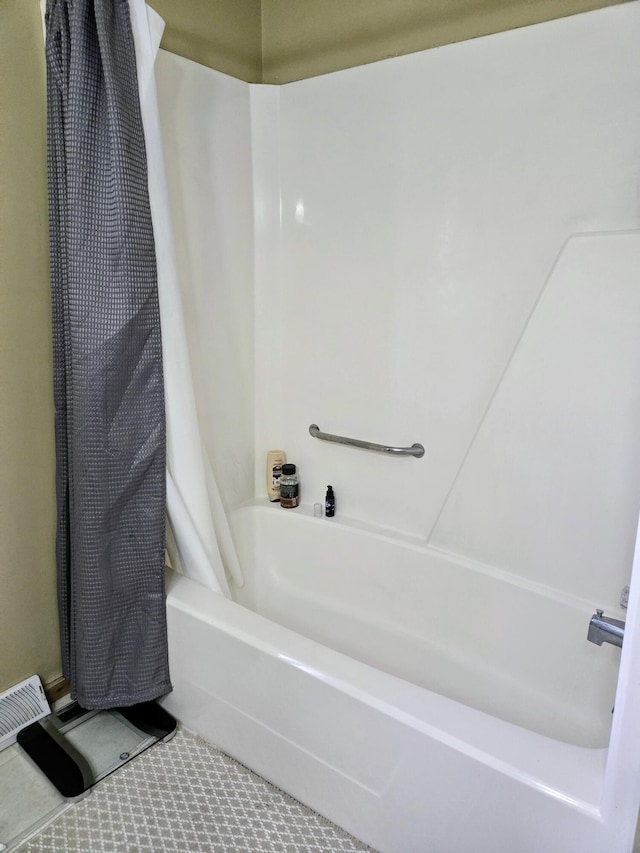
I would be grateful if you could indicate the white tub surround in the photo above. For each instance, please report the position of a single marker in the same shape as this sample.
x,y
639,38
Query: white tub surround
x,y
206,133
440,248
422,205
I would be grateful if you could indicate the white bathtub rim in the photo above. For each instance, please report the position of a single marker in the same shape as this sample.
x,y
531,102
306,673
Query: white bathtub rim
x,y
569,773
304,514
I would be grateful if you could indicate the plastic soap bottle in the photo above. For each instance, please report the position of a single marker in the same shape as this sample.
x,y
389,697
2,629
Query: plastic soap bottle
x,y
330,503
289,487
275,460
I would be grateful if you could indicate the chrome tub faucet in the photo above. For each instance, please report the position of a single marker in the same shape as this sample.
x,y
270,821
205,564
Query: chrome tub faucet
x,y
603,629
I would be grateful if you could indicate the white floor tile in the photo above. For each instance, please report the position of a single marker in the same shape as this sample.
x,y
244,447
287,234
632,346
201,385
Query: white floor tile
x,y
185,795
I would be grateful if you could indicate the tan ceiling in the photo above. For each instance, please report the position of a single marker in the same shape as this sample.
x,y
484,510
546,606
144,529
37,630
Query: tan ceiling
x,y
277,41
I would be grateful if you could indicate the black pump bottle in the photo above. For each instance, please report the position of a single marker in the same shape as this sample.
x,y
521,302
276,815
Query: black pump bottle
x,y
330,503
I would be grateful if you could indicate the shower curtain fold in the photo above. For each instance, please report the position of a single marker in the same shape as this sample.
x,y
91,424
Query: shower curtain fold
x,y
108,377
202,546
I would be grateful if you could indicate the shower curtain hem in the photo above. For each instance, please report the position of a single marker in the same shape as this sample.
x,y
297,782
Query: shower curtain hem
x,y
122,701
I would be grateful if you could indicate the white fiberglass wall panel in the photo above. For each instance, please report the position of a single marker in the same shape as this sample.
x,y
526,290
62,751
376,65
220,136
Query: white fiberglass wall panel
x,y
206,130
553,475
423,203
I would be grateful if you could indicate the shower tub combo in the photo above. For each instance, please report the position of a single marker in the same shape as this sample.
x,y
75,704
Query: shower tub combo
x,y
425,703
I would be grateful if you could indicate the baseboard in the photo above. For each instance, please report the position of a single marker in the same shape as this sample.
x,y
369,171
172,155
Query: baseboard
x,y
56,689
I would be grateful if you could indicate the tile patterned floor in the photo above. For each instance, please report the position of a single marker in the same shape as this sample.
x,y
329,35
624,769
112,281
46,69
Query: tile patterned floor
x,y
187,796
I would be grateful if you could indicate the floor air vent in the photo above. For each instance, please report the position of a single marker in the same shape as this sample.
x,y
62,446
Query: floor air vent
x,y
21,705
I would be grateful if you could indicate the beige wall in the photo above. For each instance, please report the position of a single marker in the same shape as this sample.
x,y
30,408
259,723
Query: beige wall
x,y
276,41
223,34
28,610
303,39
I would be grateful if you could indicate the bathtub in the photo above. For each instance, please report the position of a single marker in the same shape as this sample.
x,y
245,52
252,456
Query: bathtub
x,y
424,703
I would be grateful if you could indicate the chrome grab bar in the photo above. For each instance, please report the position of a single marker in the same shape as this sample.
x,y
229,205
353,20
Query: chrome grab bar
x,y
416,450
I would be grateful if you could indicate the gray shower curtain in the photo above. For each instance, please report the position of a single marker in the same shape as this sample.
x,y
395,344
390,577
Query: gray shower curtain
x,y
108,381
